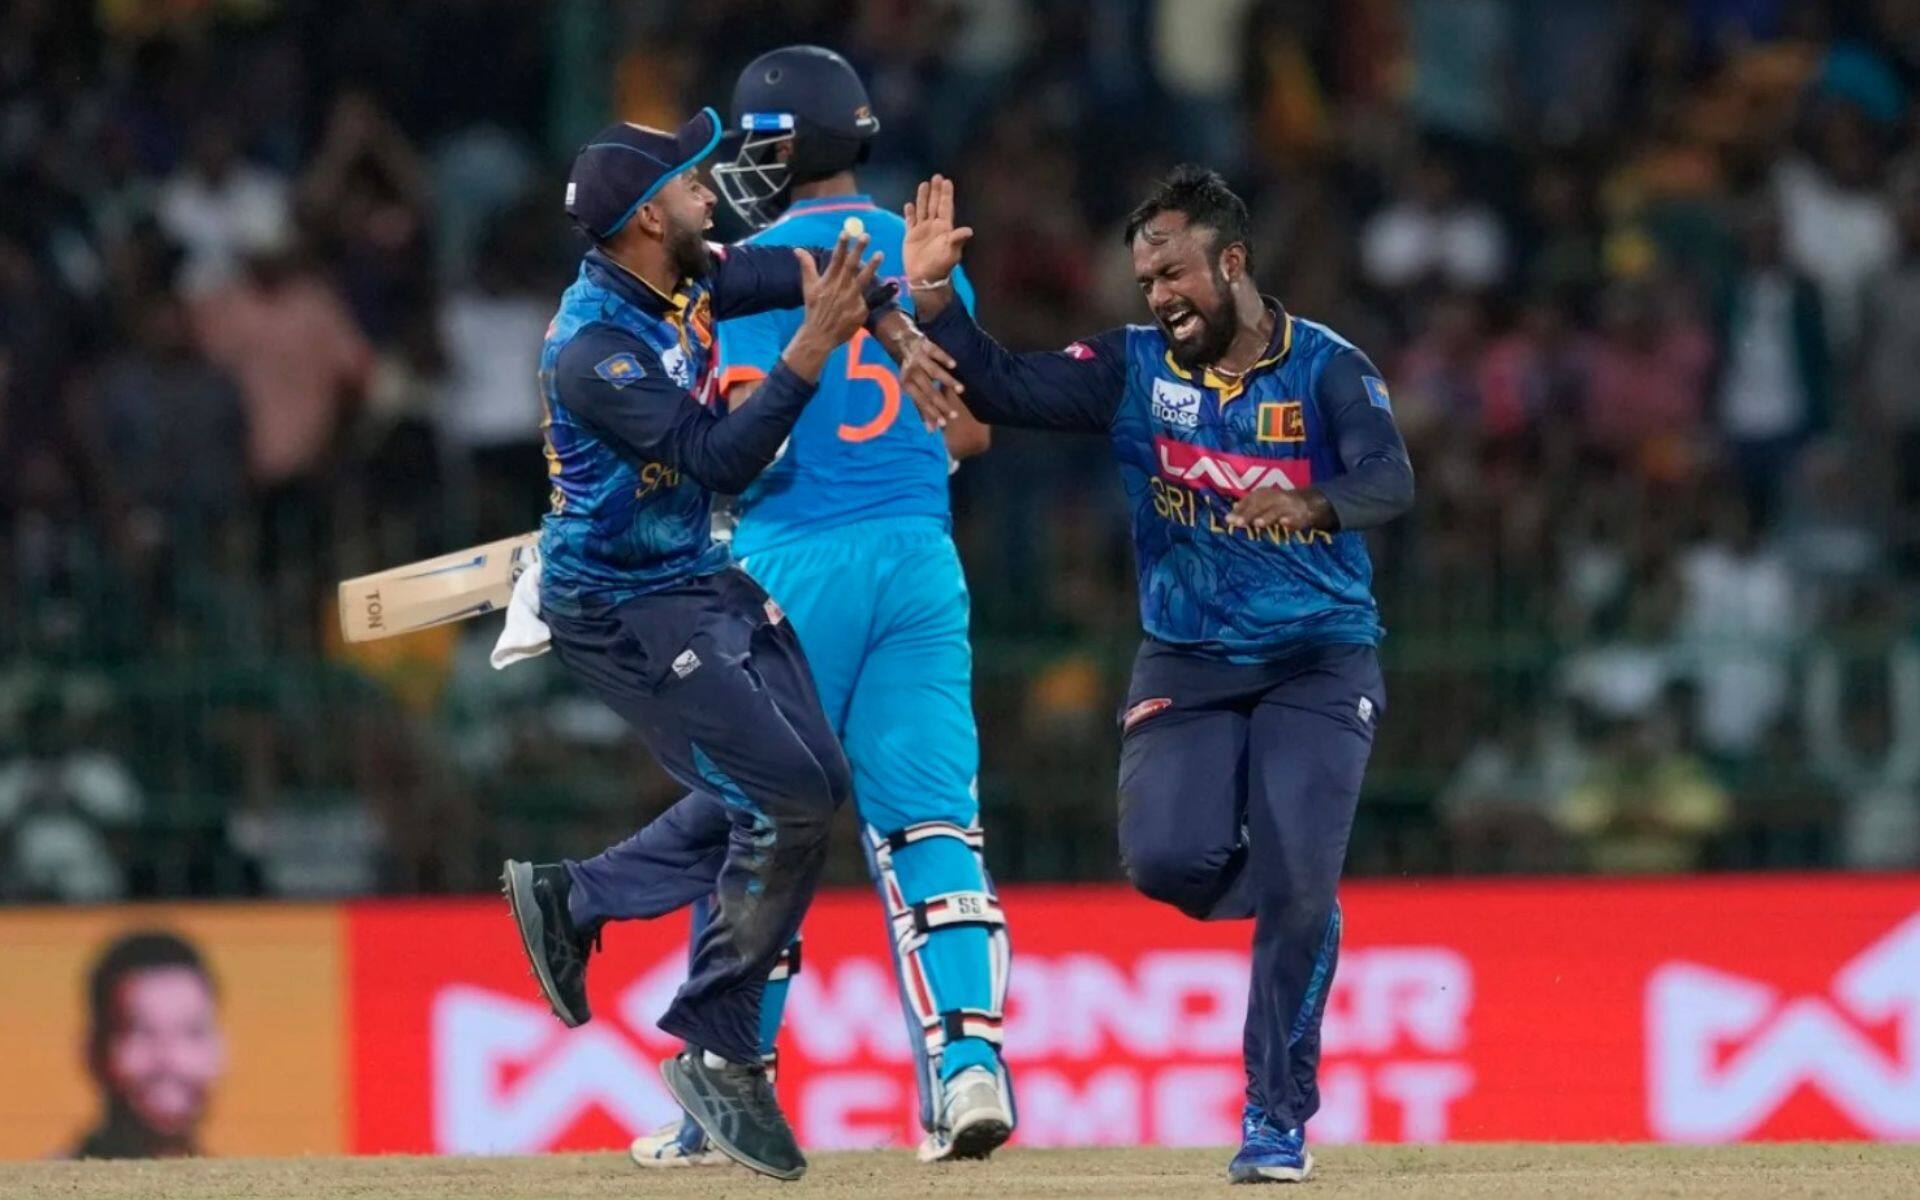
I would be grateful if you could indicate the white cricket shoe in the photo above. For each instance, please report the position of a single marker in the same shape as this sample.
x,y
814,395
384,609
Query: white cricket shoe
x,y
681,1144
975,1118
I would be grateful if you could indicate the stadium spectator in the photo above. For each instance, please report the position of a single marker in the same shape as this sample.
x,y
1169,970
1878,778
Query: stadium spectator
x,y
66,809
1839,225
302,365
365,198
155,404
1434,234
1773,363
489,413
1646,376
1739,623
221,208
1647,803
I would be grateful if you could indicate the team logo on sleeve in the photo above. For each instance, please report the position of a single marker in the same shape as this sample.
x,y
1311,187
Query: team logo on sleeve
x,y
1079,351
1281,422
1176,404
1377,391
621,370
678,368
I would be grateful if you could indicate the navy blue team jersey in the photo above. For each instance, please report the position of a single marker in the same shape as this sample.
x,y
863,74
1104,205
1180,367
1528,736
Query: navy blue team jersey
x,y
635,449
860,449
1314,412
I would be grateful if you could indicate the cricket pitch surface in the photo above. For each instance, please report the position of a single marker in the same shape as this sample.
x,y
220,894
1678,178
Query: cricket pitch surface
x,y
1849,1171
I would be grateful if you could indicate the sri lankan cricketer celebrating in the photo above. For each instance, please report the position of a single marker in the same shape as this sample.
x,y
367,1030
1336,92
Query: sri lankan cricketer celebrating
x,y
650,612
1254,447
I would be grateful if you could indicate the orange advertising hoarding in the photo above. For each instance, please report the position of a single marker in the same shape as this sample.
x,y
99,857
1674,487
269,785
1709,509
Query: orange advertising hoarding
x,y
270,1061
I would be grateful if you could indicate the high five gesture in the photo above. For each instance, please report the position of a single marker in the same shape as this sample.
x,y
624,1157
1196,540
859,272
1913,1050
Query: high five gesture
x,y
932,246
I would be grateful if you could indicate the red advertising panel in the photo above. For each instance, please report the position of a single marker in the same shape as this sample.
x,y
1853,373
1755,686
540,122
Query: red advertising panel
x,y
1678,1010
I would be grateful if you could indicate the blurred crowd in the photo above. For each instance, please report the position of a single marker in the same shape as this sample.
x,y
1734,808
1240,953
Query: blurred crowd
x,y
1644,276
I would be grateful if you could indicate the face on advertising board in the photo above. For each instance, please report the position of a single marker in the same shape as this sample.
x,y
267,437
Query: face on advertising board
x,y
171,1029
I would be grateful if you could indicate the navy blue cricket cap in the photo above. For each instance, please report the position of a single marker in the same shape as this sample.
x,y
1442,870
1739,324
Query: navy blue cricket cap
x,y
626,165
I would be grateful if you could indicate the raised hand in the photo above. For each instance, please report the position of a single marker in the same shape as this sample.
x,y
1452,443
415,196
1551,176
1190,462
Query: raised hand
x,y
931,249
836,298
836,303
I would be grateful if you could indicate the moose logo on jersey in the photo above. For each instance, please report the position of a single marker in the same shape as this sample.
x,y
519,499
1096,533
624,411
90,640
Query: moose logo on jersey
x,y
1176,404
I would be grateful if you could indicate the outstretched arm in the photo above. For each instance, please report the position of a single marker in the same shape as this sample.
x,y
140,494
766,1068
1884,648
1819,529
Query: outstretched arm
x,y
1078,388
755,279
614,382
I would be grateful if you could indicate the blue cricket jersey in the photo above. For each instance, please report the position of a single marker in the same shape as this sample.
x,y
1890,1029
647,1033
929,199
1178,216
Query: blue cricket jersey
x,y
1312,413
635,448
860,449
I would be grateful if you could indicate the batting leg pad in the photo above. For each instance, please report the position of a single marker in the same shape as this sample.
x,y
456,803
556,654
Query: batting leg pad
x,y
773,1001
949,945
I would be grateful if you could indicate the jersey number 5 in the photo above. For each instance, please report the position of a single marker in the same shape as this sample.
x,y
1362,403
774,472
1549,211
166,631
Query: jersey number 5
x,y
881,376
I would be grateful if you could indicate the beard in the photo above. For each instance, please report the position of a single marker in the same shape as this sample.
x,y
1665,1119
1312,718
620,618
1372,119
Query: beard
x,y
692,258
1207,344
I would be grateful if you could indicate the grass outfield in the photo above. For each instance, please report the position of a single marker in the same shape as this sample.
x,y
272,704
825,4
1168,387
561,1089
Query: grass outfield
x,y
1844,1172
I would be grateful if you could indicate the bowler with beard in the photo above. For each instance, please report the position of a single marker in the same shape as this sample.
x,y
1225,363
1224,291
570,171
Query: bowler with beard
x,y
154,1047
1255,446
651,614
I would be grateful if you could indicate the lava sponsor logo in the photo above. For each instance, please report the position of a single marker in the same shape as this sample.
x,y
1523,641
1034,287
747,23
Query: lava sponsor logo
x,y
1724,1052
1079,351
1227,474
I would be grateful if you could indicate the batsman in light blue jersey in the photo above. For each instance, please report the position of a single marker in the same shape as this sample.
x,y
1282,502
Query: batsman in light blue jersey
x,y
849,531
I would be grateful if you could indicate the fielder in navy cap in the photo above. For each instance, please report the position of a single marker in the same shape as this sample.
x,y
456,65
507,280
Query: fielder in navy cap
x,y
627,168
650,612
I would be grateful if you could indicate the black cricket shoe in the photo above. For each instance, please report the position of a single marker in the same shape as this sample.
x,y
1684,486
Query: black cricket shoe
x,y
556,949
734,1103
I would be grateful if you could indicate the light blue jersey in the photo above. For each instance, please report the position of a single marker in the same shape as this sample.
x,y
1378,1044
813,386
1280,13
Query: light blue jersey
x,y
859,450
848,531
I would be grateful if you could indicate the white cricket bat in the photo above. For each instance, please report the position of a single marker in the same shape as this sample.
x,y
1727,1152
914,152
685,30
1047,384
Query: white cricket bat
x,y
452,587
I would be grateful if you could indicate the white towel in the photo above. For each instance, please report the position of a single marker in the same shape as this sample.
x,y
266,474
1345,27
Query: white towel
x,y
526,635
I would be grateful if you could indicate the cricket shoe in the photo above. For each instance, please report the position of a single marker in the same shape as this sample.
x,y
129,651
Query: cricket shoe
x,y
556,949
974,1118
734,1105
681,1144
1269,1154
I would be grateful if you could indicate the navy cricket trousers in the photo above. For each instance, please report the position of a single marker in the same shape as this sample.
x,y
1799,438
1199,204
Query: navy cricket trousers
x,y
713,678
1238,784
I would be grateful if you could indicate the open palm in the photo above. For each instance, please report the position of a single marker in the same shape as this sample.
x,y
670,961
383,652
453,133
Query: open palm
x,y
932,247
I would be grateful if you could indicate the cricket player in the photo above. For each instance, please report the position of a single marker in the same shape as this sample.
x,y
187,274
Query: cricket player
x,y
849,531
648,611
1254,446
